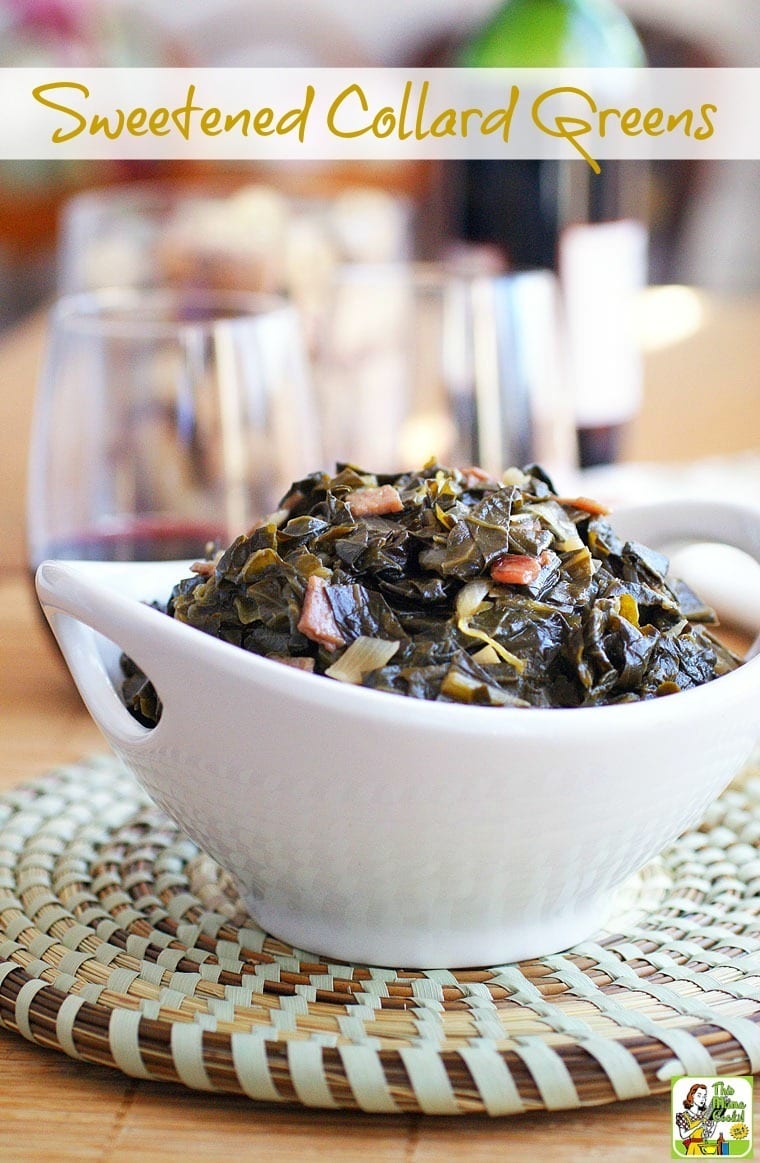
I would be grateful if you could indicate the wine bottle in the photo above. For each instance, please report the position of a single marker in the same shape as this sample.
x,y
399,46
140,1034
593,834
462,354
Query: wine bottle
x,y
560,215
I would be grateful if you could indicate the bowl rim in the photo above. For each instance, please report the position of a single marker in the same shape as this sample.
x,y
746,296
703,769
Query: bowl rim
x,y
455,718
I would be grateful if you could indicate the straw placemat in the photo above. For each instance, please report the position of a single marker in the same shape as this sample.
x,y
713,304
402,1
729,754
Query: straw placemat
x,y
122,944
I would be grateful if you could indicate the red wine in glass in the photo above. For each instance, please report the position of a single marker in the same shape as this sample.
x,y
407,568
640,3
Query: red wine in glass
x,y
138,539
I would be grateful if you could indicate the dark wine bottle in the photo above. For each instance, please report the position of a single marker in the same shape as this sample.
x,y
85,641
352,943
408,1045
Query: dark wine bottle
x,y
559,215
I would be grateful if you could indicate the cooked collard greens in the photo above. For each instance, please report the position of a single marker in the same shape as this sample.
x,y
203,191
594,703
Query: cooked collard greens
x,y
447,584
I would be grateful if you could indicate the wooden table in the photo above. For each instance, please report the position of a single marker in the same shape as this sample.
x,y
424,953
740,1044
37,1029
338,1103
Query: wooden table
x,y
54,1109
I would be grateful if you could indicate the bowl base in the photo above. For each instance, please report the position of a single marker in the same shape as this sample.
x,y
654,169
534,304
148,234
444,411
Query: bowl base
x,y
418,948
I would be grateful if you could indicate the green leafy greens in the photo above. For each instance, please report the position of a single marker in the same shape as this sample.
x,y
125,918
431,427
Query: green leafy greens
x,y
498,593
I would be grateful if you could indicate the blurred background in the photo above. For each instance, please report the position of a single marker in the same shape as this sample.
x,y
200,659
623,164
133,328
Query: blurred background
x,y
703,218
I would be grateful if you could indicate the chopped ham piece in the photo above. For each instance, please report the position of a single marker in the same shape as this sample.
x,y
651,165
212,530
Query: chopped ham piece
x,y
587,504
374,502
515,569
317,621
203,568
474,475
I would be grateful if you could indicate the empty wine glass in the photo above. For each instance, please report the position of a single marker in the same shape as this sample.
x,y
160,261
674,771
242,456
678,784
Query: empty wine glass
x,y
165,419
419,360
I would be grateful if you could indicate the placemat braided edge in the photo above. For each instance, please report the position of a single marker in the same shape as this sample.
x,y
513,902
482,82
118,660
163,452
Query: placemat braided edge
x,y
122,944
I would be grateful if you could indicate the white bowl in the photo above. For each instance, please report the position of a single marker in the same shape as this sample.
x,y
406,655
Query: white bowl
x,y
370,827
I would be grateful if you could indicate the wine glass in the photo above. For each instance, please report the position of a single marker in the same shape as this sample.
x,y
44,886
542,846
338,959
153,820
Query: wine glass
x,y
413,361
165,419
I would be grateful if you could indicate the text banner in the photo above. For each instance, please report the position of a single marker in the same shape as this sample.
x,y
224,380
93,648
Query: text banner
x,y
379,114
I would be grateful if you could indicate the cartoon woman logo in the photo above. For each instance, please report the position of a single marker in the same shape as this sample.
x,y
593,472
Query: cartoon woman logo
x,y
695,1123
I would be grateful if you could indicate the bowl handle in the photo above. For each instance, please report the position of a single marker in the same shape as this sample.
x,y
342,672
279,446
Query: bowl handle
x,y
76,606
667,522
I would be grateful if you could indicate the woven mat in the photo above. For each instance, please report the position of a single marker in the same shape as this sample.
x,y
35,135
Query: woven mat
x,y
122,944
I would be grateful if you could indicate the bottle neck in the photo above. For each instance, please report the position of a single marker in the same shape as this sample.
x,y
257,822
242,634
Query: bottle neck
x,y
555,34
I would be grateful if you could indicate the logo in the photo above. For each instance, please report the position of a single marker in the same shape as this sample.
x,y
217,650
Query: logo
x,y
711,1117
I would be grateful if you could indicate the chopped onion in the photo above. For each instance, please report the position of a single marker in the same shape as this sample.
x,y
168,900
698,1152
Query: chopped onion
x,y
361,657
629,609
460,687
278,518
504,655
513,476
469,599
444,518
487,656
470,596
